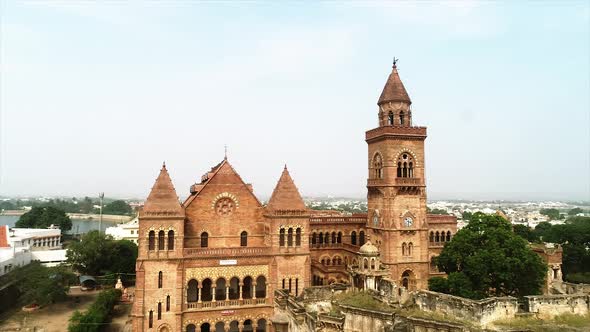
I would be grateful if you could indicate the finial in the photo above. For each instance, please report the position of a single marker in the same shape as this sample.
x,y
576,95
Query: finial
x,y
164,164
395,60
285,166
225,153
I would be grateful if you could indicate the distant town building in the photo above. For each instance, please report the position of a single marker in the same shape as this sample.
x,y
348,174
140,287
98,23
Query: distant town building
x,y
127,231
20,246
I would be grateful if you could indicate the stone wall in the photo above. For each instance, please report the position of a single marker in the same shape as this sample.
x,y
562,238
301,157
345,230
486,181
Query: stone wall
x,y
572,288
363,320
481,312
548,306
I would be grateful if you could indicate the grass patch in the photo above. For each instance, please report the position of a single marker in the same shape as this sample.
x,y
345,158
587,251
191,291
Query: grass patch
x,y
362,300
559,323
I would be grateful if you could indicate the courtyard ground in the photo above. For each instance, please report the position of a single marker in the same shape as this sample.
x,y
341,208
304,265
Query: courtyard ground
x,y
51,318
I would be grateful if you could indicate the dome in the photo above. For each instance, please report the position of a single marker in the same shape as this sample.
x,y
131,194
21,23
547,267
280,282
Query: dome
x,y
369,249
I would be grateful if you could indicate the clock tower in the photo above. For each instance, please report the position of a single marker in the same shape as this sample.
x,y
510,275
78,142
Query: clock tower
x,y
396,187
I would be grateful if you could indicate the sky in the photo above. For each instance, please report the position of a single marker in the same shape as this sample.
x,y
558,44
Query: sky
x,y
94,96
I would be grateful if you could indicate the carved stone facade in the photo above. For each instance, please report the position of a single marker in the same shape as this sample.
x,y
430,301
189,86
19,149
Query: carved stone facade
x,y
213,263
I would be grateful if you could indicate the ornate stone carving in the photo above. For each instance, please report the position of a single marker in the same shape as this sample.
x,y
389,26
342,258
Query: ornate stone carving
x,y
201,273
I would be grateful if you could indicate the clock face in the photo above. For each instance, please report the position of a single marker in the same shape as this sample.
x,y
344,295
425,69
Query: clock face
x,y
408,222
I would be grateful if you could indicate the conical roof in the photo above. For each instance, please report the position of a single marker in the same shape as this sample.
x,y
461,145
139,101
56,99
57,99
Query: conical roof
x,y
162,200
394,89
286,196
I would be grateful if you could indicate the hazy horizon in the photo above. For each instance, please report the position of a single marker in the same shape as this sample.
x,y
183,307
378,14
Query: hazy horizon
x,y
95,96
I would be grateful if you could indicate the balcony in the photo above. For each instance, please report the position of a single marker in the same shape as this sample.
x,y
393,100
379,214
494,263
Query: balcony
x,y
398,182
393,131
227,252
212,305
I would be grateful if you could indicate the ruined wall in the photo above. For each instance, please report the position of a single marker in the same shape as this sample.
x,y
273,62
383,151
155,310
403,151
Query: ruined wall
x,y
363,320
572,288
481,312
548,306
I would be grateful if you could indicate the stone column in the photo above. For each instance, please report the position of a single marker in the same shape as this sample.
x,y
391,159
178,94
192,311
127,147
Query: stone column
x,y
254,290
226,293
240,285
213,291
200,288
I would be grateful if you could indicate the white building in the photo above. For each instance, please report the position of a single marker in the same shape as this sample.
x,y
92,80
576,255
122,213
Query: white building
x,y
127,231
20,246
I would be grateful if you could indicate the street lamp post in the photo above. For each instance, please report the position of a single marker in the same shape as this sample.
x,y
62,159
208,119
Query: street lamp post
x,y
101,196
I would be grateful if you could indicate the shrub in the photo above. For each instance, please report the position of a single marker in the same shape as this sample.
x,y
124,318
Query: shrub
x,y
97,315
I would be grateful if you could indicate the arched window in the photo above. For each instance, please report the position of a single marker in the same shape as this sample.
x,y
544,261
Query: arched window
x,y
244,239
261,325
151,319
404,250
192,293
282,237
247,288
220,285
152,240
260,287
313,239
378,166
168,303
448,236
205,327
161,240
160,279
298,237
296,286
170,240
401,118
405,166
353,238
410,248
361,238
366,263
191,328
333,237
390,119
290,237
339,239
234,288
375,218
159,310
206,292
321,239
431,236
437,237
204,240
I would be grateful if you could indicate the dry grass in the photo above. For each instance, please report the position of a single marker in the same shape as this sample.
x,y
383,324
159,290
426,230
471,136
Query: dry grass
x,y
561,323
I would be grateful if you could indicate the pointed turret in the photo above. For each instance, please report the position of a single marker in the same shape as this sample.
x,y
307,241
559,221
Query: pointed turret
x,y
162,200
286,196
394,89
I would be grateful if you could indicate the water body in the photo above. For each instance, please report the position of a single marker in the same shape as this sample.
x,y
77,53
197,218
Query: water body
x,y
79,226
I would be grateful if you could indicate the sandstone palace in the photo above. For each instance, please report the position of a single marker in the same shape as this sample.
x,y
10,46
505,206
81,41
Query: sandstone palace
x,y
214,261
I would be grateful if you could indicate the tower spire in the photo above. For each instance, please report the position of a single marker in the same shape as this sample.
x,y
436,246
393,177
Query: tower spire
x,y
394,89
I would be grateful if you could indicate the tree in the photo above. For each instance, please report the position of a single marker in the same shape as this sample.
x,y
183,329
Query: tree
x,y
553,214
574,211
486,258
467,215
117,207
574,236
42,285
525,232
43,217
98,254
